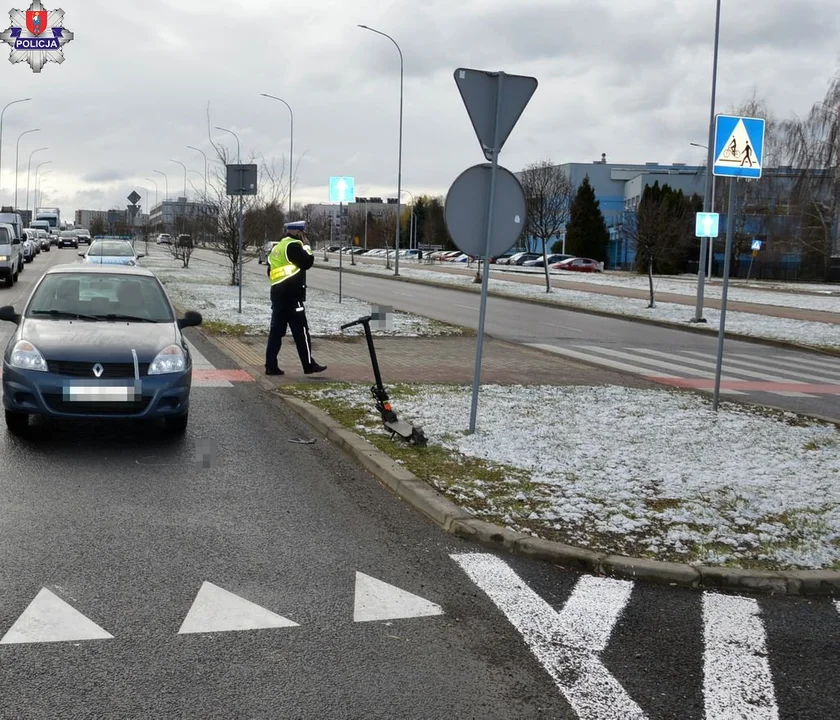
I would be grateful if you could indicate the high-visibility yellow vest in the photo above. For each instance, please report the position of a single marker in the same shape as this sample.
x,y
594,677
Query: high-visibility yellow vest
x,y
280,267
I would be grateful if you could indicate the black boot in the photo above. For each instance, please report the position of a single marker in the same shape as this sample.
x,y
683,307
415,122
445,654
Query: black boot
x,y
314,368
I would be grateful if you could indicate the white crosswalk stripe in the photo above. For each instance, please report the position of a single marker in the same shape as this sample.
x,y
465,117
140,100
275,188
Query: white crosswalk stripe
x,y
693,364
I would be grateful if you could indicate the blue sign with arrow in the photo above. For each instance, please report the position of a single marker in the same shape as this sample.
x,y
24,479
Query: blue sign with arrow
x,y
739,146
706,225
342,190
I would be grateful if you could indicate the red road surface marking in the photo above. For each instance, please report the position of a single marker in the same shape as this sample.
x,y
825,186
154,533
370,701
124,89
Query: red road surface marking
x,y
229,375
748,385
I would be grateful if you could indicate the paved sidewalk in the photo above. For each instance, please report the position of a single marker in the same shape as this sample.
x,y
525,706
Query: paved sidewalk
x,y
613,290
428,360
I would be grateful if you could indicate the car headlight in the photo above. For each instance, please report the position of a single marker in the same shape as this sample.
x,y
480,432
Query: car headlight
x,y
27,357
4,258
169,360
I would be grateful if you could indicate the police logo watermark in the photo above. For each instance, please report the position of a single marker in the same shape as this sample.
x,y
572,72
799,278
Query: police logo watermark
x,y
37,36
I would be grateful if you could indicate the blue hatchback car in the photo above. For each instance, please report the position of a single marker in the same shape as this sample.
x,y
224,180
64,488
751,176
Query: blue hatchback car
x,y
97,341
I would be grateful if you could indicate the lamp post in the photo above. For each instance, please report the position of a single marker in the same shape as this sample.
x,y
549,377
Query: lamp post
x,y
154,182
399,165
166,186
411,220
185,175
710,161
164,216
291,148
17,153
29,173
1,134
241,229
35,190
711,209
38,198
191,147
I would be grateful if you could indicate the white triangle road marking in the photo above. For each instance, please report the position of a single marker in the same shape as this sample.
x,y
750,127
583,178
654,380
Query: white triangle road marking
x,y
377,600
218,610
49,619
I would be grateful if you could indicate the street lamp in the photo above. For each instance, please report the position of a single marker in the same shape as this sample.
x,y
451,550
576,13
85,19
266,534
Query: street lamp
x,y
291,148
29,173
166,186
1,133
710,161
411,221
164,216
38,192
185,175
241,229
154,182
399,165
35,191
191,147
17,153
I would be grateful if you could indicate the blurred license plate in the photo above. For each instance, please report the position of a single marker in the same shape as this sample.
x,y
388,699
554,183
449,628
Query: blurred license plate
x,y
99,393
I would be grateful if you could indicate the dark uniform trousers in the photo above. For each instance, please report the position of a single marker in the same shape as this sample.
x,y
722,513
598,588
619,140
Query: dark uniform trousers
x,y
287,313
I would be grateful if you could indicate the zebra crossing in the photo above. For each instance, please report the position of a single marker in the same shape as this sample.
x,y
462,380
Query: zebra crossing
x,y
742,672
775,373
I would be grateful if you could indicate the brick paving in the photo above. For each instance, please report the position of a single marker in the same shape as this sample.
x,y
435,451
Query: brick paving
x,y
429,360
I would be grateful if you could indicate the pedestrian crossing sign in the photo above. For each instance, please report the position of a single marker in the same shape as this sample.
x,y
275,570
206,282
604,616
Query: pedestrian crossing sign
x,y
739,146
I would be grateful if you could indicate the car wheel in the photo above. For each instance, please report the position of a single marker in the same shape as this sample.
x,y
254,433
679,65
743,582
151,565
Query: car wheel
x,y
177,424
18,423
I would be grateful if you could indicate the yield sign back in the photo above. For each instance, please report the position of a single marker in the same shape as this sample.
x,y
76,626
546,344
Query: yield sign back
x,y
479,89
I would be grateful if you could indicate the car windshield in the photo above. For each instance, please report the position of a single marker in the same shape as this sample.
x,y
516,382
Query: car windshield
x,y
100,296
113,249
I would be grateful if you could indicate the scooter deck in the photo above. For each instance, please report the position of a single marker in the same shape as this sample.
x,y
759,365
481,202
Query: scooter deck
x,y
401,428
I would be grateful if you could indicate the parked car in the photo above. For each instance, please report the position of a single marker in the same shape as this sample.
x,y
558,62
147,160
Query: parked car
x,y
551,259
164,239
97,342
580,265
110,252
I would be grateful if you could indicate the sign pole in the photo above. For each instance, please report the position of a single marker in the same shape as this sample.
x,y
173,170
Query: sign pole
x,y
240,252
730,230
485,278
340,248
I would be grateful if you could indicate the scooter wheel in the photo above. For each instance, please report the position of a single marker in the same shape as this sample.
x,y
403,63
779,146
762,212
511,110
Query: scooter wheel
x,y
418,438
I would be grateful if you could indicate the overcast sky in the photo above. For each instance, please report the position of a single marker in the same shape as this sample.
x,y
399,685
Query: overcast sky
x,y
629,78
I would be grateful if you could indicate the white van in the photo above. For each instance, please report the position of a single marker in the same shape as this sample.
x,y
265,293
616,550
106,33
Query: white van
x,y
11,258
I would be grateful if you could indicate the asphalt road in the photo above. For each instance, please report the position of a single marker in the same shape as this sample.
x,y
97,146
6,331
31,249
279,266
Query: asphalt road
x,y
126,527
799,381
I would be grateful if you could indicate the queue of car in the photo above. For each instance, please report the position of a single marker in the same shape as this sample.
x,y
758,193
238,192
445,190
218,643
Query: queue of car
x,y
97,340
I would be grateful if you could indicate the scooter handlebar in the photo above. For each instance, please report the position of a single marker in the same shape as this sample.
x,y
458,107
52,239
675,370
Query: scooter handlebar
x,y
360,321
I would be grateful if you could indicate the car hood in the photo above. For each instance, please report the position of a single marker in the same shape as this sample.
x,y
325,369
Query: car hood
x,y
100,341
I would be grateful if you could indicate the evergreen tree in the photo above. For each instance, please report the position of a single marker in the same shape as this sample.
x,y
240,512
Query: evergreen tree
x,y
586,233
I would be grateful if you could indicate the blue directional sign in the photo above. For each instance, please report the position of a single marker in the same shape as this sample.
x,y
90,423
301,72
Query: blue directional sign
x,y
342,190
706,225
739,146
756,245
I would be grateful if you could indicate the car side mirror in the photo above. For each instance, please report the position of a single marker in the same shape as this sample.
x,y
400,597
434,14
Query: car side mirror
x,y
8,314
191,319
139,255
81,254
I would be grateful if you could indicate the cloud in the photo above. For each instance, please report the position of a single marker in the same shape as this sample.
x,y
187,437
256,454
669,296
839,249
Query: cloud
x,y
629,79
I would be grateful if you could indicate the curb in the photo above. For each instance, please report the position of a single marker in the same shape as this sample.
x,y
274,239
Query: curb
x,y
695,328
458,522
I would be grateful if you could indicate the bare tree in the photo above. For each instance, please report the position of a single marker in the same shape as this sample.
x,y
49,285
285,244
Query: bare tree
x,y
548,195
271,193
812,147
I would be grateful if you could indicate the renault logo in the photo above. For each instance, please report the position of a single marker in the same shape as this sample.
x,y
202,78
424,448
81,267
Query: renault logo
x,y
98,370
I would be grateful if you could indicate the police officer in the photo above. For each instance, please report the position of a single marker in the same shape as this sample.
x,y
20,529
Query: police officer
x,y
288,262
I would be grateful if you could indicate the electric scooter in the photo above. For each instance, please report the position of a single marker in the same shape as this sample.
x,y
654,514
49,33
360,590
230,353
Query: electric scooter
x,y
398,428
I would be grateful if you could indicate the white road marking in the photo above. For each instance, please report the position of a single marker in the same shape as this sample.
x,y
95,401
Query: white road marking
x,y
218,610
795,365
567,643
49,619
731,372
615,365
737,681
377,600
